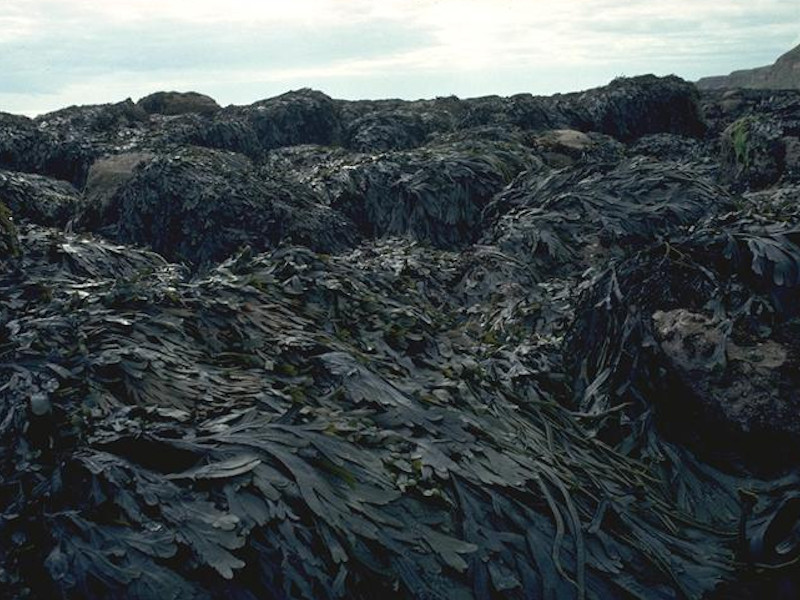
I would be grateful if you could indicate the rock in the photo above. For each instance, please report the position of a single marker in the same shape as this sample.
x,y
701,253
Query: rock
x,y
435,194
573,218
9,245
522,111
668,147
39,199
693,342
753,153
629,108
106,177
783,74
301,117
723,382
514,347
178,103
564,147
721,108
24,146
199,206
745,390
292,404
395,130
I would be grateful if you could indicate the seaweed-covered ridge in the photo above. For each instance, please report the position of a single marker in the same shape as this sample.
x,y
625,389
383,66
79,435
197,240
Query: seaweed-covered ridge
x,y
525,347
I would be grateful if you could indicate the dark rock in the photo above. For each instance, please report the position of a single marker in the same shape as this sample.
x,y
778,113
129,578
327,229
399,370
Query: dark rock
x,y
668,147
228,129
39,199
178,103
522,111
574,218
629,108
702,327
753,153
9,246
722,107
26,147
434,193
745,386
517,348
395,130
300,117
199,205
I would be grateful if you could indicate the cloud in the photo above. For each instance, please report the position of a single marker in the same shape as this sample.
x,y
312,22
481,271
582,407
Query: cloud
x,y
55,52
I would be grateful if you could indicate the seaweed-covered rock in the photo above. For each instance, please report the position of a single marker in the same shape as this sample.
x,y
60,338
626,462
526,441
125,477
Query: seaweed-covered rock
x,y
39,199
227,129
434,193
523,111
631,107
575,218
178,103
87,121
199,205
538,352
394,130
9,246
739,381
703,328
669,147
752,153
301,117
24,146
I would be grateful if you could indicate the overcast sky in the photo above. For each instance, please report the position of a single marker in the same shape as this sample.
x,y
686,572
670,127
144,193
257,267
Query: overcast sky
x,y
55,53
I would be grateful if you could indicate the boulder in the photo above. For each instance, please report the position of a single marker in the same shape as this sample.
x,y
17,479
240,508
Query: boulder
x,y
571,219
199,206
178,103
560,148
752,153
631,107
744,385
704,333
25,146
39,199
435,194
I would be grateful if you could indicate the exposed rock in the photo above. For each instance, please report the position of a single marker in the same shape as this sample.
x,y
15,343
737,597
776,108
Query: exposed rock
x,y
783,74
106,177
747,388
178,103
724,382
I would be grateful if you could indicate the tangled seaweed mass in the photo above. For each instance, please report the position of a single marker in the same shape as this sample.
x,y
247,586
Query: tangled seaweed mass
x,y
512,347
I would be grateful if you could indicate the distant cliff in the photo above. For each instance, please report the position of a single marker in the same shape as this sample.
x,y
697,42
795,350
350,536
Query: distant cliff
x,y
783,74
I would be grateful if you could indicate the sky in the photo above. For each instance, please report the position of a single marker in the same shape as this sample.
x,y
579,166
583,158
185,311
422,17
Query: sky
x,y
56,53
